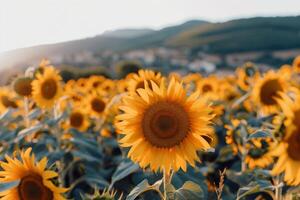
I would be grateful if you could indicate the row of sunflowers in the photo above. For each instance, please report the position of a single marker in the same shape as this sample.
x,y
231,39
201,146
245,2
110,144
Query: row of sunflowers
x,y
151,136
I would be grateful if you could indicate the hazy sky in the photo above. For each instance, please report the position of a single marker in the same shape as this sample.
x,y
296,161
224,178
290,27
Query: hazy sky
x,y
32,22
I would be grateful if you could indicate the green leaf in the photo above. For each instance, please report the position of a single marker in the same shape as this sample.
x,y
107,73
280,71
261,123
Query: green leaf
x,y
254,187
34,114
143,187
259,134
240,178
225,154
189,191
126,168
28,131
6,115
9,185
97,181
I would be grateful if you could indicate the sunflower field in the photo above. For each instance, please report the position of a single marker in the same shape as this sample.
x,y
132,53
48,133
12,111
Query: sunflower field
x,y
151,135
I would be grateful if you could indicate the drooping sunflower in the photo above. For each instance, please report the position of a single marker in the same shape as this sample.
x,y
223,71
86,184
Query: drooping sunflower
x,y
8,100
164,121
22,86
266,91
136,81
288,149
35,180
47,88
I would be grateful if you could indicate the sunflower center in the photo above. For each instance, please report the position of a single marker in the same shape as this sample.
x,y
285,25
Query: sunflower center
x,y
23,87
49,89
206,88
98,105
296,120
269,91
294,146
32,188
165,124
8,103
76,119
96,84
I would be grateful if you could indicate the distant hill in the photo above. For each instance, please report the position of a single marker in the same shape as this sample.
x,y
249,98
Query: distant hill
x,y
107,41
242,35
127,33
254,34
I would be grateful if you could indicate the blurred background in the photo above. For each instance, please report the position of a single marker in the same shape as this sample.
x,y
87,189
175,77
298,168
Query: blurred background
x,y
115,37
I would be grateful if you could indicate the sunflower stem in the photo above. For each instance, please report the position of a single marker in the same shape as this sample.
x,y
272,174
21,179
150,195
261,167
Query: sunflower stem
x,y
166,180
26,114
278,187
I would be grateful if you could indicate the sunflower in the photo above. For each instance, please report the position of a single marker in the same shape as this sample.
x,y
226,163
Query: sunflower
x,y
296,64
94,82
259,153
266,91
35,183
288,149
8,100
227,91
209,87
136,81
230,137
190,81
164,121
246,76
47,88
96,104
78,119
22,86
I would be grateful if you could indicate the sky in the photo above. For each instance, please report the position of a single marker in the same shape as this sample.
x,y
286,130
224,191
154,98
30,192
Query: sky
x,y
26,23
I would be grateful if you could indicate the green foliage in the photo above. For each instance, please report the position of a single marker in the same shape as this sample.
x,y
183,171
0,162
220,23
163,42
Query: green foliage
x,y
252,34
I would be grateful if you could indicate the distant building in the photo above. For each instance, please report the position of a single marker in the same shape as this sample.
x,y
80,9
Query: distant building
x,y
202,66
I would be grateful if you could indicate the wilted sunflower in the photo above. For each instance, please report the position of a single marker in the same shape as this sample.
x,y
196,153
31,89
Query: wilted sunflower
x,y
165,122
47,88
35,183
7,99
267,89
288,150
136,81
